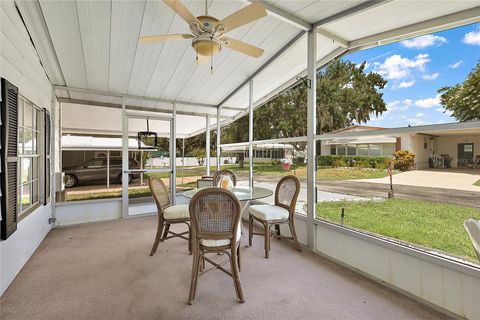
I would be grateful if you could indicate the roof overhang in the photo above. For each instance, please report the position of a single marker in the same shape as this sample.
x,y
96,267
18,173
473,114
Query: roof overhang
x,y
456,128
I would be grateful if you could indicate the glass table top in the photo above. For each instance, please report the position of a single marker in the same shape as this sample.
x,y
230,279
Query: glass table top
x,y
243,193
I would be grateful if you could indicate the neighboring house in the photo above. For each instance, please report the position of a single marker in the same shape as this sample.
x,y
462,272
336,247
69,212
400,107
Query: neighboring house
x,y
438,144
264,152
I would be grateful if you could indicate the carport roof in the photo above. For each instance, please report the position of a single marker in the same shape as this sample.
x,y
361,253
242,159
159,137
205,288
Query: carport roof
x,y
91,54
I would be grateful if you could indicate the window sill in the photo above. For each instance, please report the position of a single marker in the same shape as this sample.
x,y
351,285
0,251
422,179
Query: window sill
x,y
27,212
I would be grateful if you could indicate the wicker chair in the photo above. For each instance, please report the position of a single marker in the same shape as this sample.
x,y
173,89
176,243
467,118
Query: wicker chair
x,y
205,182
220,173
283,211
215,219
168,214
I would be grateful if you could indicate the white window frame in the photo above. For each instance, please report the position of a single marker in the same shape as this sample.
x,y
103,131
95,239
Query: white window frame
x,y
37,128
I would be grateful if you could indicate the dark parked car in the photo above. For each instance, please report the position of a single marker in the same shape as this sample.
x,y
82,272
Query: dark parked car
x,y
94,171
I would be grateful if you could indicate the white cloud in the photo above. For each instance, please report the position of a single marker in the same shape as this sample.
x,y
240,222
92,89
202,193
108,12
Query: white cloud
x,y
398,106
408,103
472,37
432,76
397,67
455,65
419,115
406,84
428,102
424,42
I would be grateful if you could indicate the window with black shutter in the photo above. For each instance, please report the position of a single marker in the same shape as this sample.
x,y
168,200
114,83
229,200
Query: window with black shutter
x,y
9,158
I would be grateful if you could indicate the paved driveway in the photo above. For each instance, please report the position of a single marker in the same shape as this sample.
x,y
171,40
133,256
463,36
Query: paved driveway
x,y
453,179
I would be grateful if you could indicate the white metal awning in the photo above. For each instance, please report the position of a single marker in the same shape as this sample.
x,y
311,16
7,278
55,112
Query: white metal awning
x,y
81,143
91,53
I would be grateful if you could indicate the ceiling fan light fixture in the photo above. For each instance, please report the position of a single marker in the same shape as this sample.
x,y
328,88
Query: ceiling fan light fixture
x,y
206,47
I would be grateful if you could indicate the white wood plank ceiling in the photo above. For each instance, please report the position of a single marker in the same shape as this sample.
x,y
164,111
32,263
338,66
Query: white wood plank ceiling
x,y
96,47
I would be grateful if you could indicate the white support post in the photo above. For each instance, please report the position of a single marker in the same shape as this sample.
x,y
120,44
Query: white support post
x,y
183,157
108,169
311,131
173,155
250,133
124,160
218,140
141,167
207,145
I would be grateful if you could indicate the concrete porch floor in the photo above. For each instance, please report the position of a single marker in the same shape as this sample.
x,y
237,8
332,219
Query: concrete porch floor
x,y
103,271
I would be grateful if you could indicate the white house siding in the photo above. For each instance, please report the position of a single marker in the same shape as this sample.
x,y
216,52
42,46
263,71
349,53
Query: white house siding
x,y
20,65
448,145
417,146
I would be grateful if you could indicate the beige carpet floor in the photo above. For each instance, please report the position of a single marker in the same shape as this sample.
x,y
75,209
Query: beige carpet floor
x,y
103,271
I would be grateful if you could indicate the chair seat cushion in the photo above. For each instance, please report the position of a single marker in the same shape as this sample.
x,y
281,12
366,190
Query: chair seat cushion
x,y
220,243
267,212
176,212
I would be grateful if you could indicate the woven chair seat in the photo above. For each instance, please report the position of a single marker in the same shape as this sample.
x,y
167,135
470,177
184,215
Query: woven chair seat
x,y
267,212
220,243
179,211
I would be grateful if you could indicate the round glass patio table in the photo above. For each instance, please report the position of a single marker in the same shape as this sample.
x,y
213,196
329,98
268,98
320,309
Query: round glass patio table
x,y
242,193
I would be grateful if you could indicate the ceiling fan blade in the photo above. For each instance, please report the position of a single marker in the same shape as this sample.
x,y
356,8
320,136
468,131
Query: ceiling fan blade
x,y
202,59
243,16
165,37
242,47
182,11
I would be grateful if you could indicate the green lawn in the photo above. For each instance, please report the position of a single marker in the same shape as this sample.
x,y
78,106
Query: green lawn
x,y
323,174
477,183
430,225
260,170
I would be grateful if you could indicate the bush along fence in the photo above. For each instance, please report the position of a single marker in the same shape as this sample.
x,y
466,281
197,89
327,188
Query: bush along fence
x,y
354,161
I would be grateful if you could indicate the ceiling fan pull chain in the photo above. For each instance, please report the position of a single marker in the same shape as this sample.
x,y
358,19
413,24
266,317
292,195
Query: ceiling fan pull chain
x,y
196,52
211,56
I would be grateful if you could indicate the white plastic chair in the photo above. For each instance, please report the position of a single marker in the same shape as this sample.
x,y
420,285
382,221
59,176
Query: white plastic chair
x,y
473,229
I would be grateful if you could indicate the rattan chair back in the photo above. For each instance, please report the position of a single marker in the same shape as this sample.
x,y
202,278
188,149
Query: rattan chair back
x,y
286,193
225,172
160,193
215,215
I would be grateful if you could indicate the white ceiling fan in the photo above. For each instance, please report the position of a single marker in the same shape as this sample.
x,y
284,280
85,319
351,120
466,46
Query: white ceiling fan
x,y
208,33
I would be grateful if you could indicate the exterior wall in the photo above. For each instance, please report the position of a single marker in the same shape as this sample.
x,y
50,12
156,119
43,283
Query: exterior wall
x,y
437,281
20,65
418,147
324,148
448,145
75,212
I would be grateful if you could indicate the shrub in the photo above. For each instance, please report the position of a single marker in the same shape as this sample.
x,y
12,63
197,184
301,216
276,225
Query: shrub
x,y
353,161
404,160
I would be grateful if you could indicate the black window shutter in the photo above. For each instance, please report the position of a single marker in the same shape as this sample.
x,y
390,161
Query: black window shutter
x,y
48,134
9,144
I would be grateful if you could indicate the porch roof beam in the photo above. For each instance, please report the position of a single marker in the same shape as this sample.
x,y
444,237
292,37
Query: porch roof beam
x,y
340,41
433,25
129,96
137,108
350,12
263,67
284,15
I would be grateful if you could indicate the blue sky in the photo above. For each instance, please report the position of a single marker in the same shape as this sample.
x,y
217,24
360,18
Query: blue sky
x,y
416,69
